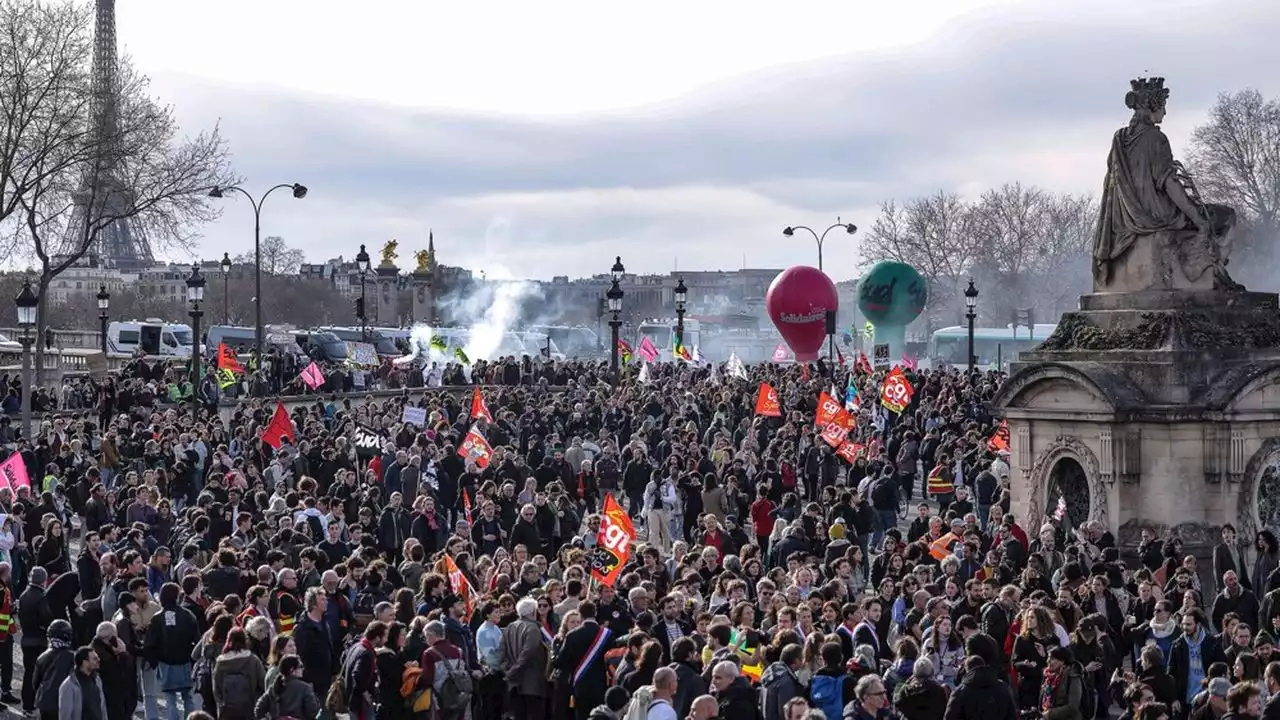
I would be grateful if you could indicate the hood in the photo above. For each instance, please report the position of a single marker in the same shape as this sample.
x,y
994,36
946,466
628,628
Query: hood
x,y
238,661
602,712
982,677
915,687
777,672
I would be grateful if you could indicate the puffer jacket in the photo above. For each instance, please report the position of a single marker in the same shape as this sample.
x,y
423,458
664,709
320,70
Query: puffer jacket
x,y
52,667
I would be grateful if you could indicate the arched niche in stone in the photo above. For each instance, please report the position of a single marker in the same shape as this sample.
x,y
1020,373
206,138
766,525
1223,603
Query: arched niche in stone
x,y
1050,474
1258,503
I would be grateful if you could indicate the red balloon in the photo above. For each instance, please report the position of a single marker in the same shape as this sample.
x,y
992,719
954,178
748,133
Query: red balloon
x,y
798,301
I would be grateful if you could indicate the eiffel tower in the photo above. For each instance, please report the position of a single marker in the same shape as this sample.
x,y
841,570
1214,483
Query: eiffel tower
x,y
121,245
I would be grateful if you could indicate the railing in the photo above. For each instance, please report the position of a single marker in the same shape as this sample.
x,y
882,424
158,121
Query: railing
x,y
88,339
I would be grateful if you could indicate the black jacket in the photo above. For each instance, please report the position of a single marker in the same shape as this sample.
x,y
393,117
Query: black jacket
x,y
34,616
315,649
982,695
171,636
52,667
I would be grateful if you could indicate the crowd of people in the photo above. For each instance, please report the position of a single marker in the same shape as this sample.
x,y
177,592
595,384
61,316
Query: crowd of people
x,y
354,563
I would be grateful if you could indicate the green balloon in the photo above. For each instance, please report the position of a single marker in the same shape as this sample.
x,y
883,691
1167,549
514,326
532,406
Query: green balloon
x,y
892,293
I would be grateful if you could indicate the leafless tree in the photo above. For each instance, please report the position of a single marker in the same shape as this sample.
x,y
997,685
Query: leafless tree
x,y
278,258
1236,155
87,160
932,234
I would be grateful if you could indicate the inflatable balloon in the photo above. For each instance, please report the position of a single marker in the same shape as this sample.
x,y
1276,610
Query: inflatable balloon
x,y
892,294
798,301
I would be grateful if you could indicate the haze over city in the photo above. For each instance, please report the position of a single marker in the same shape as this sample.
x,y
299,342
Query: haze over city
x,y
544,139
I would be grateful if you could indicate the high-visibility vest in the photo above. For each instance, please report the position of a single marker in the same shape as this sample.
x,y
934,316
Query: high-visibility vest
x,y
940,549
939,485
246,615
286,621
6,618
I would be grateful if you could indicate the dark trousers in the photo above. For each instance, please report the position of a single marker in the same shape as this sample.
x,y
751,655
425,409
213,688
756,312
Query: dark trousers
x,y
529,707
6,666
29,655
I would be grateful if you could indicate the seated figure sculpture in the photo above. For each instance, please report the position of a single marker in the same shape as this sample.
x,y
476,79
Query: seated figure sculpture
x,y
1154,232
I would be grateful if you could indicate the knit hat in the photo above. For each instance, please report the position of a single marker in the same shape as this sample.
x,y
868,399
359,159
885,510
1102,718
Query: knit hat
x,y
1263,638
836,531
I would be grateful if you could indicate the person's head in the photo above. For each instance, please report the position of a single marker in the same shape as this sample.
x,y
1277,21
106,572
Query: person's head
x,y
724,674
527,608
1245,698
664,683
1218,689
1152,711
86,659
704,707
870,693
434,631
1192,621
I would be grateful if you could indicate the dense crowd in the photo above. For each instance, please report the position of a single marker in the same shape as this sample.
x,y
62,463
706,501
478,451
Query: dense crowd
x,y
340,559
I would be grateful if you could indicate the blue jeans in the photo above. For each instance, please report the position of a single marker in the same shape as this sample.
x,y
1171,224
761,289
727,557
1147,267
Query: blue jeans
x,y
983,511
887,519
187,704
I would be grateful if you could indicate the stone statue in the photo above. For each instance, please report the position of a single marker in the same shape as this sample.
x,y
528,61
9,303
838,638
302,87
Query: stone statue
x,y
1154,232
389,253
424,261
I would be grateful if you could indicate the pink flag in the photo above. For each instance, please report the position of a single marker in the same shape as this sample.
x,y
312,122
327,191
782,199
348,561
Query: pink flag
x,y
13,473
780,353
313,376
909,361
647,350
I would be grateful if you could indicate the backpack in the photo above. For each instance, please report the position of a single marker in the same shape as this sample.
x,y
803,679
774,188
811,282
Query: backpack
x,y
827,693
881,493
452,688
237,695
612,659
1088,698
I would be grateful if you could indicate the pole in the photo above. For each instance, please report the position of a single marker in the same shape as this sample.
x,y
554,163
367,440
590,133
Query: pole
x,y
195,359
614,325
970,316
26,385
226,299
257,276
364,311
102,321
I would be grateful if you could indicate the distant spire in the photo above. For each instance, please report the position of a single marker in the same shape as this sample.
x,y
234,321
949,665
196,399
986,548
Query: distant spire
x,y
431,242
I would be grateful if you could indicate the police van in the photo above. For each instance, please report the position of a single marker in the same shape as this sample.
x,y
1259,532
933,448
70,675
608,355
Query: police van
x,y
153,336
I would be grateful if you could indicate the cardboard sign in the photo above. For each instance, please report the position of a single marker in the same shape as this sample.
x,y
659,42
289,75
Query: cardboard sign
x,y
880,356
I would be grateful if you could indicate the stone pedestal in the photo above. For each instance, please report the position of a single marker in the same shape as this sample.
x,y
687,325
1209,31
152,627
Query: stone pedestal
x,y
1151,409
388,305
424,307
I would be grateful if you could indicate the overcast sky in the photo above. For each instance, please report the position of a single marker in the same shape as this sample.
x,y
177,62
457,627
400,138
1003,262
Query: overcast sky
x,y
543,138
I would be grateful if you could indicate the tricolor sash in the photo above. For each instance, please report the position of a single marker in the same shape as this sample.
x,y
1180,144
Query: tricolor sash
x,y
594,652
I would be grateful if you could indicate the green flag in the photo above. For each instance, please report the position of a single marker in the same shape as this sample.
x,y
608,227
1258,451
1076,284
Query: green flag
x,y
438,343
461,356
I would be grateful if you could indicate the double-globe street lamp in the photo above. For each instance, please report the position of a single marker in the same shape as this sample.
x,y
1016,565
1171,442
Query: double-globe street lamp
x,y
362,267
790,231
299,192
971,314
104,305
195,295
614,300
27,303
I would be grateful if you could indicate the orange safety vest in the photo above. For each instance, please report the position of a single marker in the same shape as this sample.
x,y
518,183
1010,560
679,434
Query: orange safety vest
x,y
6,618
939,485
286,621
940,549
246,614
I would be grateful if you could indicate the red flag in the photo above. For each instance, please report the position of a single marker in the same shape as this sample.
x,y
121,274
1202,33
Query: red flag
x,y
458,583
475,447
279,428
613,543
896,391
863,364
829,411
227,360
834,435
466,505
478,408
1000,440
767,401
850,451
840,357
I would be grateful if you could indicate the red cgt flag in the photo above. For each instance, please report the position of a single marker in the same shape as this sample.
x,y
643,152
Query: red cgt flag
x,y
849,451
279,428
830,411
767,401
475,447
478,408
613,543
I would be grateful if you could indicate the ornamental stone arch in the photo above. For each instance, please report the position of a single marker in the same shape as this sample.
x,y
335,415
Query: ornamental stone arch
x,y
1261,477
1041,475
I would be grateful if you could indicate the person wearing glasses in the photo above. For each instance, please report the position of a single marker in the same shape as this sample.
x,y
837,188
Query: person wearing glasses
x,y
870,699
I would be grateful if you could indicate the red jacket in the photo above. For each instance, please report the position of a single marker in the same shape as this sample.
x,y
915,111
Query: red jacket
x,y
761,516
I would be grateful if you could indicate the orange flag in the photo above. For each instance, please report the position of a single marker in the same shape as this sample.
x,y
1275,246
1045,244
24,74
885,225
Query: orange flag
x,y
1000,440
478,408
227,360
613,543
475,447
850,451
458,582
830,411
767,401
834,435
466,505
279,428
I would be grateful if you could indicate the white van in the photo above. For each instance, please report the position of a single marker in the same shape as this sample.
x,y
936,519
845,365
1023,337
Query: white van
x,y
153,336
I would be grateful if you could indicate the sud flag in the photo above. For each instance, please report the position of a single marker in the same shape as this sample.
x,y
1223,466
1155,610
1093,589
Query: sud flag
x,y
767,401
999,442
647,349
227,360
475,447
478,408
279,428
613,543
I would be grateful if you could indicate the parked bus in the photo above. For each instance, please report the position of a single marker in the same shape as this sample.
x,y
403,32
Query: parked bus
x,y
662,333
990,345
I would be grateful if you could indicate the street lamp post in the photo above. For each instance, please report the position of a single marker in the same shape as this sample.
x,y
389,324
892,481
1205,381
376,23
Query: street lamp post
x,y
682,294
850,228
195,295
226,294
299,192
971,303
614,298
27,303
362,267
104,303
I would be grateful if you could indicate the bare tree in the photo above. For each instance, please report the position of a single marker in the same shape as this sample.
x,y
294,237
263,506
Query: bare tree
x,y
932,234
1235,156
278,258
91,159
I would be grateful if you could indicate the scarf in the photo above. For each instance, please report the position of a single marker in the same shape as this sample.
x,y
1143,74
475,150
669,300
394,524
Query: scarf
x,y
1049,690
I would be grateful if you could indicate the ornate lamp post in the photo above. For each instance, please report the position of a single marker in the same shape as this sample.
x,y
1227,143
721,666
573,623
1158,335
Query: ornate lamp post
x,y
27,303
682,294
195,295
226,295
848,227
971,303
362,267
614,299
104,303
299,192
